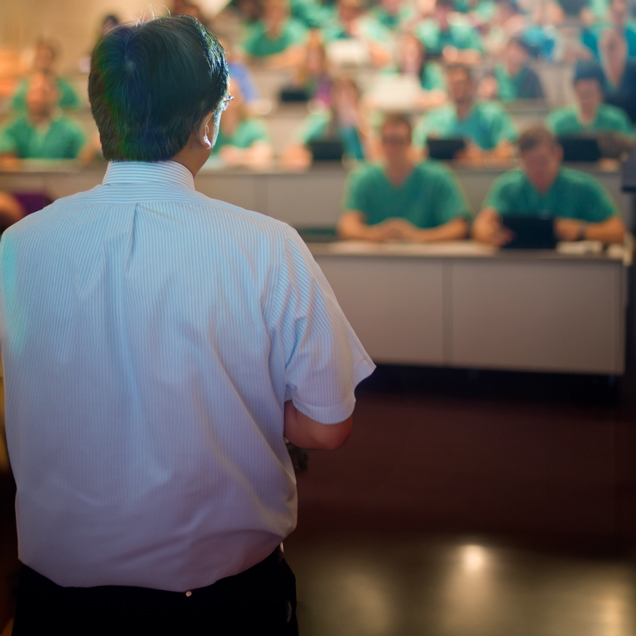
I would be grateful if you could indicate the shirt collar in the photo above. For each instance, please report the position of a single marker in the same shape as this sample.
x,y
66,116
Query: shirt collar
x,y
165,172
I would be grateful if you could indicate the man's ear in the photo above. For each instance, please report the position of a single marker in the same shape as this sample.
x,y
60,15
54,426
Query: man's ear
x,y
205,132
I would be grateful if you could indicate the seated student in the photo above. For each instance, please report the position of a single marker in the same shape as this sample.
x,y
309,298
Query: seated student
x,y
450,35
276,37
619,85
589,114
44,62
581,207
314,14
508,22
402,199
542,34
617,20
393,14
415,82
42,132
345,120
513,79
312,74
351,23
242,140
485,126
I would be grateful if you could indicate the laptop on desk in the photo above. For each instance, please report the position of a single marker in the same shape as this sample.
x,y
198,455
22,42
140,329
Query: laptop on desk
x,y
530,232
580,149
326,149
444,149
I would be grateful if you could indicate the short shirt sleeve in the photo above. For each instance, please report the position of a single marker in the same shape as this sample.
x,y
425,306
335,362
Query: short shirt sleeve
x,y
595,205
314,127
324,360
8,141
501,195
355,191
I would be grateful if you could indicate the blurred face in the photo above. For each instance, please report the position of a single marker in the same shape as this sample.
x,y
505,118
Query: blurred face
x,y
44,58
274,14
442,14
541,165
347,11
345,97
392,7
460,87
516,56
42,95
315,59
411,54
618,10
588,94
396,142
612,46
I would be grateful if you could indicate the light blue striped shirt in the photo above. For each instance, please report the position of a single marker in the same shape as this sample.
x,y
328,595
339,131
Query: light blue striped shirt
x,y
150,337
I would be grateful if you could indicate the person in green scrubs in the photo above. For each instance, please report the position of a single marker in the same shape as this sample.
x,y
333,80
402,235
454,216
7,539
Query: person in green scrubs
x,y
486,127
393,15
42,132
44,62
450,36
589,115
514,79
243,141
581,208
275,36
401,199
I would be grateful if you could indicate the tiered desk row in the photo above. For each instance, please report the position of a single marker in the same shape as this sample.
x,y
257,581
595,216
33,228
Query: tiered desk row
x,y
454,304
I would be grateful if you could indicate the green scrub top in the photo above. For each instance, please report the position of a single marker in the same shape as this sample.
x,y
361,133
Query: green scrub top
x,y
369,29
487,125
565,121
433,77
316,126
69,100
461,34
248,132
524,85
429,197
390,21
485,9
62,139
573,195
257,44
312,13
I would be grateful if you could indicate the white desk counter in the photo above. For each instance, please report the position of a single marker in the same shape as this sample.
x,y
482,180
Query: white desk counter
x,y
467,305
310,198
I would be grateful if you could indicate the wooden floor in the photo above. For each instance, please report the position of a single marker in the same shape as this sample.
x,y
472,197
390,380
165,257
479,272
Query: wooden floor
x,y
465,504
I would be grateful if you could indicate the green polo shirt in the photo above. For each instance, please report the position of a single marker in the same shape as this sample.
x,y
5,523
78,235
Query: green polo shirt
x,y
61,139
430,196
461,34
524,85
247,133
68,96
487,125
573,195
316,126
369,29
565,121
258,44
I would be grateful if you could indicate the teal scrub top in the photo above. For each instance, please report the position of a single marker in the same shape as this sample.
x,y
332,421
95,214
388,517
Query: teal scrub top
x,y
573,195
62,139
312,13
429,197
369,28
461,34
256,43
390,21
316,126
248,132
433,77
524,85
485,9
69,100
565,121
487,125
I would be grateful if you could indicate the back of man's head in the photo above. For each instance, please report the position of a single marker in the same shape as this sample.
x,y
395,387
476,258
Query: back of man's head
x,y
151,84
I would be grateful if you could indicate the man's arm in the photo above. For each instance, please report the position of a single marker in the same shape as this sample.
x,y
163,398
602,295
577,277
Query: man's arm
x,y
352,225
307,433
454,230
610,231
487,228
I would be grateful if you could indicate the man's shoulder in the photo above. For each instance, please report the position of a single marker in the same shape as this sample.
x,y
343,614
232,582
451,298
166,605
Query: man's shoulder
x,y
579,180
433,170
490,109
367,171
511,180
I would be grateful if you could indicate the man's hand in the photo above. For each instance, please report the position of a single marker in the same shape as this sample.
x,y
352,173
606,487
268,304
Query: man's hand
x,y
569,229
487,228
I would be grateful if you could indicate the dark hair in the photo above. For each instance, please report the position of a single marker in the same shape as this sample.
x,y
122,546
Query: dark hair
x,y
588,70
396,119
535,136
151,84
518,40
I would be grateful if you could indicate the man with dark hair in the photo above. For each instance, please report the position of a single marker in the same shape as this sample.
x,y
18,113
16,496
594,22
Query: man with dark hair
x,y
582,209
486,127
402,199
159,346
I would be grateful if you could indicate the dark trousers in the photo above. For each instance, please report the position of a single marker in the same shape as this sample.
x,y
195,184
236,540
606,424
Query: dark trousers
x,y
259,601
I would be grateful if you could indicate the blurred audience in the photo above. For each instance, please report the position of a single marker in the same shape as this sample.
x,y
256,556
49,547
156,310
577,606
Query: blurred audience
x,y
42,132
45,56
243,141
589,114
513,79
345,120
619,71
617,20
581,208
401,199
239,71
486,127
276,37
508,21
393,15
451,36
312,74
